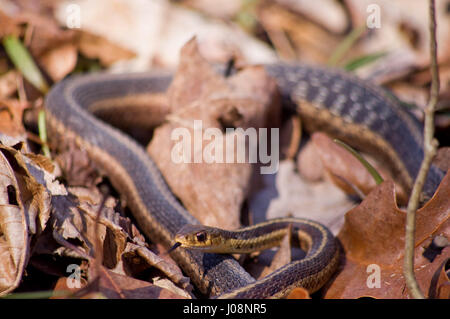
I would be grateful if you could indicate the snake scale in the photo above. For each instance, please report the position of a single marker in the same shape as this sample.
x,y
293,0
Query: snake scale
x,y
346,107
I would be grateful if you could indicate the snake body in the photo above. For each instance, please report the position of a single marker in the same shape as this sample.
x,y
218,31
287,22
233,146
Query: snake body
x,y
342,105
311,272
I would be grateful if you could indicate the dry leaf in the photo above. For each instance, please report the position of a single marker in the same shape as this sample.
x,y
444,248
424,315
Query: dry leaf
x,y
24,211
171,270
97,47
373,240
308,165
295,36
115,286
59,61
74,219
287,194
11,118
8,25
298,293
344,169
282,256
8,84
13,231
244,100
442,159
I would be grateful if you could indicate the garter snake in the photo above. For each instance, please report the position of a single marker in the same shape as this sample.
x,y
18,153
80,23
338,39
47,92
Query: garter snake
x,y
342,105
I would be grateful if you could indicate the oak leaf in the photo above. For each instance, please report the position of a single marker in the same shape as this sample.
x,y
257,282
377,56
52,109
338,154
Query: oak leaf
x,y
373,238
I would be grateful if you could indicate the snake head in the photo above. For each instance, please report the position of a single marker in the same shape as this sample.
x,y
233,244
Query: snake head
x,y
200,237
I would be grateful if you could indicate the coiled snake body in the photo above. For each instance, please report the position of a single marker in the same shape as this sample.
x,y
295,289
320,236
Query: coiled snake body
x,y
348,108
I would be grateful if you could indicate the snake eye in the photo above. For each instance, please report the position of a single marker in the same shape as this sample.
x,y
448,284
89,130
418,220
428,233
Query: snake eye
x,y
201,236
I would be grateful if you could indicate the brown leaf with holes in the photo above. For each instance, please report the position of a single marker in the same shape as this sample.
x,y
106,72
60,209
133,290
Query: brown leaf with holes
x,y
373,238
244,100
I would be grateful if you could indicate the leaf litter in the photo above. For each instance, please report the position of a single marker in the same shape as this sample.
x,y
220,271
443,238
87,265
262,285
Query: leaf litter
x,y
372,233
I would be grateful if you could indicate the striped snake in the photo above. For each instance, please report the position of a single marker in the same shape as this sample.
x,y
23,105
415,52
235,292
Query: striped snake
x,y
346,107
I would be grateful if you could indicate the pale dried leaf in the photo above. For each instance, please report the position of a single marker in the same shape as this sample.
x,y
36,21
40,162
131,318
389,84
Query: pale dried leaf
x,y
170,286
97,47
8,84
171,270
287,194
13,229
244,100
59,61
282,256
11,118
115,286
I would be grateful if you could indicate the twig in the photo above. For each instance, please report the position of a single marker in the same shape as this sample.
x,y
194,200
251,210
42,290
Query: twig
x,y
430,147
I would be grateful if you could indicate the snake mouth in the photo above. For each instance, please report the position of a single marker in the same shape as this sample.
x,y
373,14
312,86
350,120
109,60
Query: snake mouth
x,y
175,246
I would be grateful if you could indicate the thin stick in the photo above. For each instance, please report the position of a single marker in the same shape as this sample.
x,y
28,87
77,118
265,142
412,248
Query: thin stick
x,y
430,147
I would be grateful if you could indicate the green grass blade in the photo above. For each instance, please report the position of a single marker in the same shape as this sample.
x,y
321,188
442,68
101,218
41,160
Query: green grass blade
x,y
372,171
43,133
345,45
46,294
364,60
24,62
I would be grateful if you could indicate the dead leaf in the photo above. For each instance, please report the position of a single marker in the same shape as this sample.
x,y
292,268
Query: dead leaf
x,y
46,33
244,100
290,137
295,36
74,219
288,194
14,232
8,25
59,61
442,159
344,169
8,84
115,286
97,47
77,167
373,240
282,256
24,211
11,118
440,283
307,164
62,290
171,270
298,293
